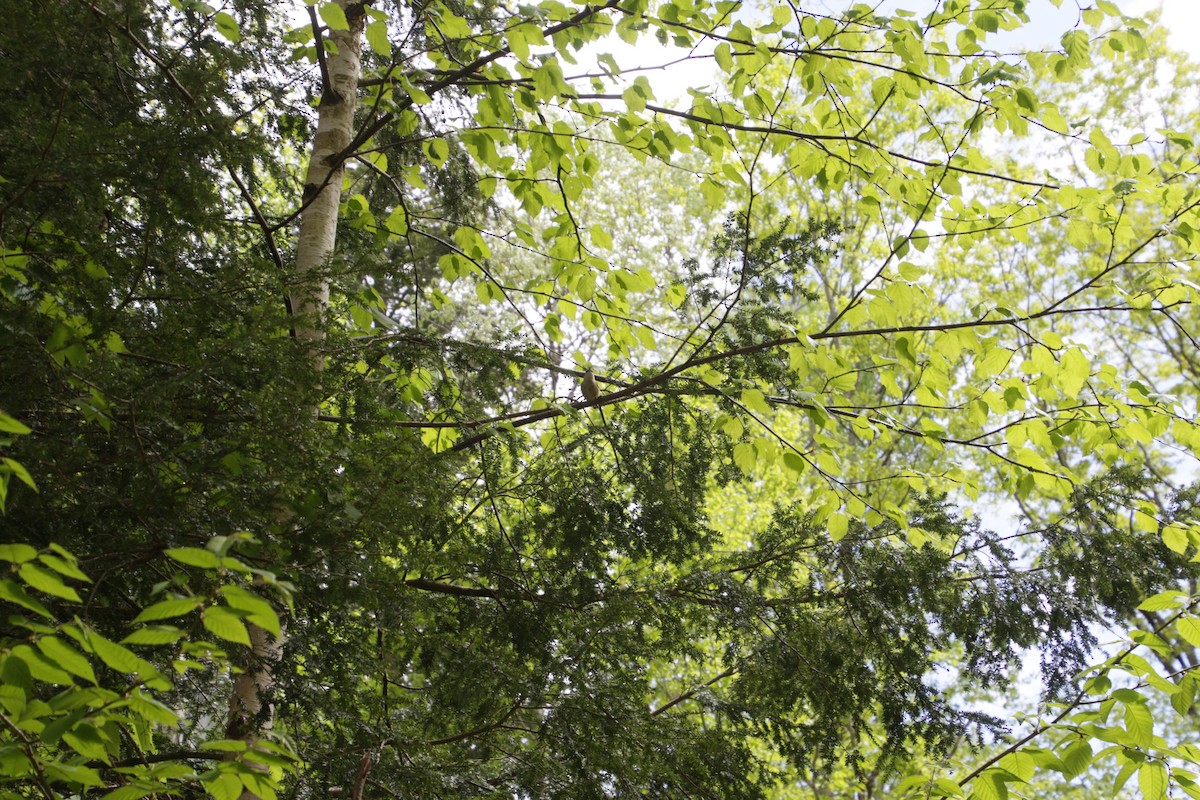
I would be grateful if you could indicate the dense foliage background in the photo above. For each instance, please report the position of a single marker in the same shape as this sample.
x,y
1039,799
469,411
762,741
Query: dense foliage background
x,y
895,336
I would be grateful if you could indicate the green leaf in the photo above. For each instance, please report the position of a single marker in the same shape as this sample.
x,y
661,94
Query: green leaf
x,y
1172,598
10,425
1152,780
223,786
745,456
168,609
227,26
1175,538
756,401
13,593
438,151
1076,758
194,557
377,38
989,786
154,635
1019,764
41,667
148,708
993,362
258,610
225,624
67,657
838,524
74,773
64,567
18,469
17,553
1139,722
47,582
113,654
1183,700
86,740
1073,372
225,745
1189,628
333,16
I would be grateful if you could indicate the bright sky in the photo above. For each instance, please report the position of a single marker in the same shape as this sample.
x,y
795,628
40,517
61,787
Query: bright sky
x,y
1180,17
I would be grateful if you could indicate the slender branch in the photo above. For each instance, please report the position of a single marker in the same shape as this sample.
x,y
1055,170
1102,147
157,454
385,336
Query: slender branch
x,y
1070,707
27,747
452,78
319,45
772,130
690,693
458,737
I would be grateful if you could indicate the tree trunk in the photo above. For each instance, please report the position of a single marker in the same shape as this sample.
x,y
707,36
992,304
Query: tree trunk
x,y
323,183
250,711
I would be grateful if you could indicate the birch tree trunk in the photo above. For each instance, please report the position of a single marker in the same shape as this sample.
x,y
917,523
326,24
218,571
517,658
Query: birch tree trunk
x,y
323,182
250,711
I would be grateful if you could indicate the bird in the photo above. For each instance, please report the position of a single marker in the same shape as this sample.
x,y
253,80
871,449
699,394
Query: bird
x,y
591,389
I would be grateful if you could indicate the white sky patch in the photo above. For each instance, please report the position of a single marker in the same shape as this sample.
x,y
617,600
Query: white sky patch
x,y
1181,18
673,71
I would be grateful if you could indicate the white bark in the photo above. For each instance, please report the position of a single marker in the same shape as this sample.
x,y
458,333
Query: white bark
x,y
250,713
323,181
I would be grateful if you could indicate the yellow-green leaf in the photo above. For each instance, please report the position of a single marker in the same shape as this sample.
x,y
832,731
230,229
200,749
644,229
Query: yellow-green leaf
x,y
47,582
1152,780
225,624
333,16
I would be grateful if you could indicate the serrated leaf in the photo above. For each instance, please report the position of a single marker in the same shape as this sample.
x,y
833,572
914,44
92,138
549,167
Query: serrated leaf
x,y
67,657
154,635
42,668
64,567
756,401
989,786
86,740
47,582
993,362
333,16
745,456
13,593
224,787
1019,764
377,38
18,469
225,624
1175,538
945,787
1152,780
7,423
1189,628
1182,700
1172,598
259,611
169,609
1139,722
113,654
17,553
194,557
225,745
149,708
1076,758
838,524
74,773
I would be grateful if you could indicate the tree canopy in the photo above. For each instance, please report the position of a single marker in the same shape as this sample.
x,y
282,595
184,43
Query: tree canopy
x,y
893,324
